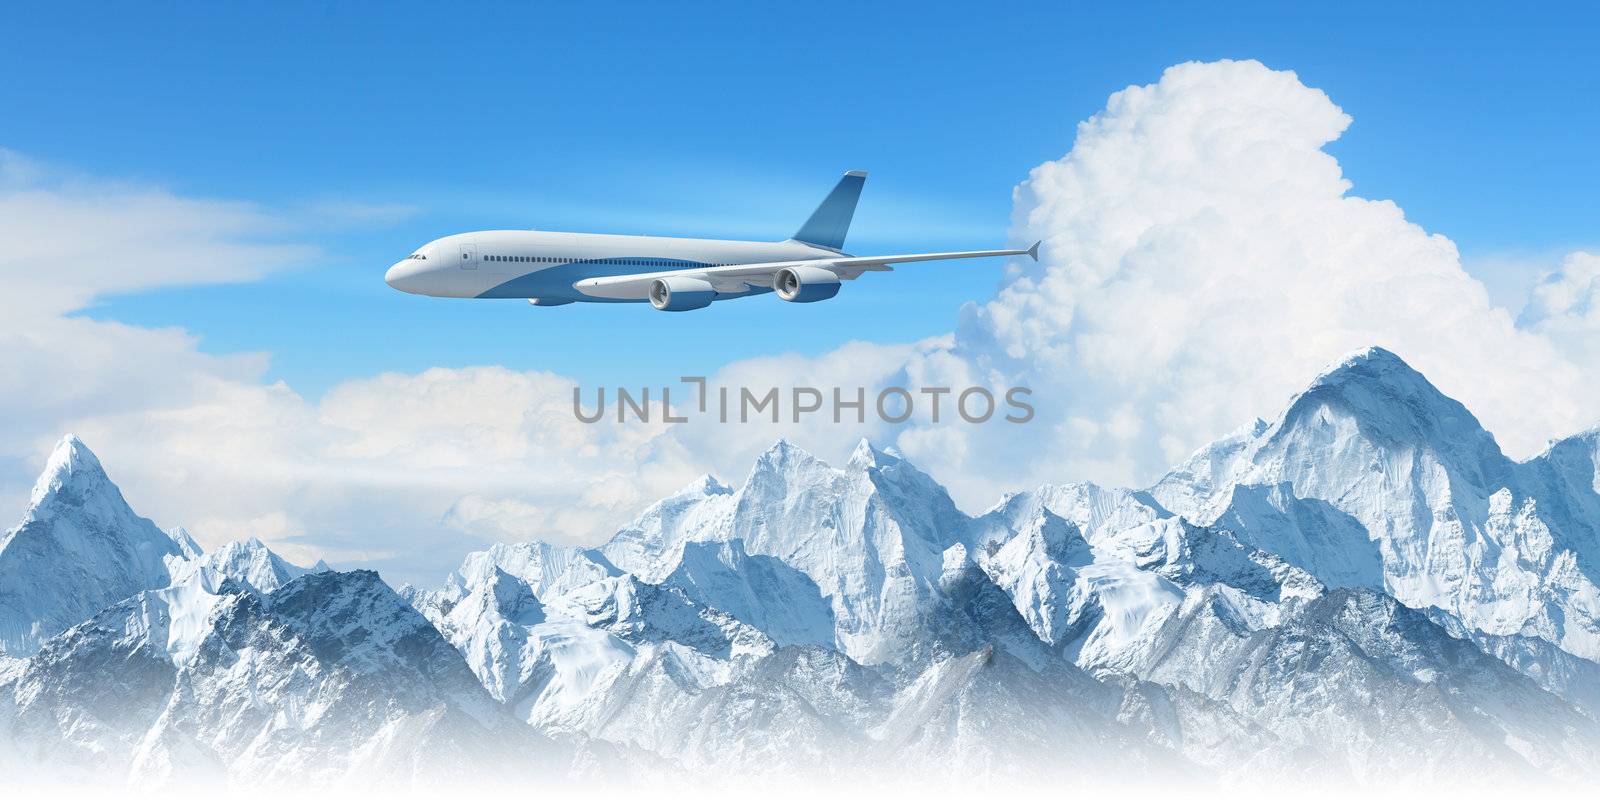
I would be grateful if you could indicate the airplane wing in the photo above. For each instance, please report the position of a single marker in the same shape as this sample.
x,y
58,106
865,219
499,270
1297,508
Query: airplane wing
x,y
739,278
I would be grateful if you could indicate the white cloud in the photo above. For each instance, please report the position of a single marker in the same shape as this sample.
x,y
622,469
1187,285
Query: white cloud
x,y
377,469
1204,257
397,465
70,238
1565,307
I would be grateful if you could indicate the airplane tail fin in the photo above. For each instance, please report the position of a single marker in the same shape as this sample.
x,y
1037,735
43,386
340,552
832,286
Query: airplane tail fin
x,y
831,221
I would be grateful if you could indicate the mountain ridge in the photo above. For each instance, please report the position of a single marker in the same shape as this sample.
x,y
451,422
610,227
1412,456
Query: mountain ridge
x,y
1365,589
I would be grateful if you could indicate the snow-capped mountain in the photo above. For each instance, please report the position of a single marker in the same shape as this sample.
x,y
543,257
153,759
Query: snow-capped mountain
x,y
146,661
249,562
872,538
1365,589
1211,593
330,678
1373,478
78,549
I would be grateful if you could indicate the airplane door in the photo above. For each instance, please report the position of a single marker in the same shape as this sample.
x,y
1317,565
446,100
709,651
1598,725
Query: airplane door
x,y
469,256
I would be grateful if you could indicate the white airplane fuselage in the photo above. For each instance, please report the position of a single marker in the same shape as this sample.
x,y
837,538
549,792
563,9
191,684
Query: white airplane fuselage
x,y
548,266
553,269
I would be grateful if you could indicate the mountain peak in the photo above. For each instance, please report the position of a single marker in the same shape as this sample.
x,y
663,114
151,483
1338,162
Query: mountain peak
x,y
865,455
784,450
1394,404
786,457
244,548
251,562
72,467
78,549
1372,363
356,618
74,484
705,485
71,446
514,598
186,544
1369,401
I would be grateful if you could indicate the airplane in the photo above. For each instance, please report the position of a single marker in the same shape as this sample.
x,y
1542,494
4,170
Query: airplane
x,y
672,274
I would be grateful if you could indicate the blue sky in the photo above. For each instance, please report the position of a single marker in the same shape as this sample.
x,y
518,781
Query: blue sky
x,y
733,120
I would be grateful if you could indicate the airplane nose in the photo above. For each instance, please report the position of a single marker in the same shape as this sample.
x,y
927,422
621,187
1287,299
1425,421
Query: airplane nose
x,y
399,275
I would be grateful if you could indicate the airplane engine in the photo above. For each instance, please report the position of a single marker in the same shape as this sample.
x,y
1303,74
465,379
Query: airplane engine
x,y
805,284
681,294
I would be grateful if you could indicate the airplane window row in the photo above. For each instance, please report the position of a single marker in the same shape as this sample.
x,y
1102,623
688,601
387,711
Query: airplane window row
x,y
529,259
632,262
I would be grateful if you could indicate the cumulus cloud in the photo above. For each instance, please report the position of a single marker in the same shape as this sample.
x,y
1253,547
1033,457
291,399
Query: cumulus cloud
x,y
1565,307
1204,258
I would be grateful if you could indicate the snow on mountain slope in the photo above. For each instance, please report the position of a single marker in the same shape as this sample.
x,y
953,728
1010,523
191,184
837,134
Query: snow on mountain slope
x,y
249,562
1365,589
706,713
1371,687
78,549
718,620
1307,531
331,677
763,591
1574,679
1063,577
548,570
1568,473
490,625
546,659
1037,558
188,548
871,536
651,545
1371,477
645,613
1370,404
987,714
1100,595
